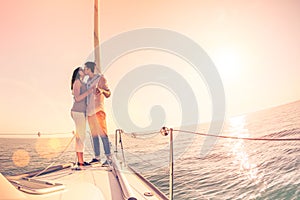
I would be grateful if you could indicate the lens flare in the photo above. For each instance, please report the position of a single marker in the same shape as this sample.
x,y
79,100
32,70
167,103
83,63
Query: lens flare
x,y
21,158
48,148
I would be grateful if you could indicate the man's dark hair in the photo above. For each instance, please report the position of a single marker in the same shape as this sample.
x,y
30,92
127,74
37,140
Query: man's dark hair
x,y
90,65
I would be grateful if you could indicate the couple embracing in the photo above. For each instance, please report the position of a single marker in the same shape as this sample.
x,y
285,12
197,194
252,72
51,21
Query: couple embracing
x,y
89,104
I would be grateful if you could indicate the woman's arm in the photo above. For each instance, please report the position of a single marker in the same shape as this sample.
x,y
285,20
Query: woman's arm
x,y
76,91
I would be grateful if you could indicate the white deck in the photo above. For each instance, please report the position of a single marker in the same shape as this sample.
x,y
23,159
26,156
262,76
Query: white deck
x,y
94,182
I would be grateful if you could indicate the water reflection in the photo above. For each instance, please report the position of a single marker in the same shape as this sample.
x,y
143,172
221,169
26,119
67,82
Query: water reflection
x,y
238,149
49,147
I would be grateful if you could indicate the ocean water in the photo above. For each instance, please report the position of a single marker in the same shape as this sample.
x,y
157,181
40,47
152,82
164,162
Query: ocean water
x,y
230,168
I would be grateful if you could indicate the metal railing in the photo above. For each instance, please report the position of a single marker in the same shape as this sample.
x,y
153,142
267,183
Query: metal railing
x,y
165,132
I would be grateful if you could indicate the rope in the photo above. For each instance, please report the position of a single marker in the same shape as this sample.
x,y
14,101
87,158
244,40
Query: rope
x,y
240,138
134,135
56,159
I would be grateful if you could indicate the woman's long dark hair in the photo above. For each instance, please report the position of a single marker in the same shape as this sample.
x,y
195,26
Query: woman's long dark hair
x,y
75,76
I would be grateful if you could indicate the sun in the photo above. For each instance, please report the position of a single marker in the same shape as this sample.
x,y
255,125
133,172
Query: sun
x,y
228,62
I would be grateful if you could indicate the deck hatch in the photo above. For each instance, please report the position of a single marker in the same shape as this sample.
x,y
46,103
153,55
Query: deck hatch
x,y
34,186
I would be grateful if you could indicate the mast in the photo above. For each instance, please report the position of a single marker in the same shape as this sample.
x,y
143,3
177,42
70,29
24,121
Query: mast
x,y
96,38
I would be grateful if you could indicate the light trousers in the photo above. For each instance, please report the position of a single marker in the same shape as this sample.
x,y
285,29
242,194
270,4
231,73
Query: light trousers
x,y
80,124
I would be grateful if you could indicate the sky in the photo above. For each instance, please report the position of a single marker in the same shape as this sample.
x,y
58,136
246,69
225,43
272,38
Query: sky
x,y
254,45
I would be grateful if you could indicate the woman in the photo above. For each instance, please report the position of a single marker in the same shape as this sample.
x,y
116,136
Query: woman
x,y
80,93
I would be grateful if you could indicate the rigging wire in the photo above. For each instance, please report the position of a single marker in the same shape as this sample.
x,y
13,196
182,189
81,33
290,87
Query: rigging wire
x,y
61,154
134,135
239,138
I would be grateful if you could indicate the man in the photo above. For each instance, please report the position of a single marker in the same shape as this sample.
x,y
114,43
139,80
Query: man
x,y
95,111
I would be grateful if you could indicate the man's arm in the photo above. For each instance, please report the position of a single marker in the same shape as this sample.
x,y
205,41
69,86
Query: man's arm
x,y
103,87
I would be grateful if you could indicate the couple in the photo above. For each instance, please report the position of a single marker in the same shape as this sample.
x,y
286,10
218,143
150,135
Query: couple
x,y
89,103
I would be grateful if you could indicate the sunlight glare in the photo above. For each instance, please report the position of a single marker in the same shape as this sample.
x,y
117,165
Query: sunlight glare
x,y
227,60
241,157
48,148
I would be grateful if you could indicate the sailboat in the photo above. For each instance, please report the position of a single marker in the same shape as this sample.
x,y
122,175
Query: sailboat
x,y
117,181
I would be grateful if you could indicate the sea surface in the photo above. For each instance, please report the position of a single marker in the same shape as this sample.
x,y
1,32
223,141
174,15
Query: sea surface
x,y
204,167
